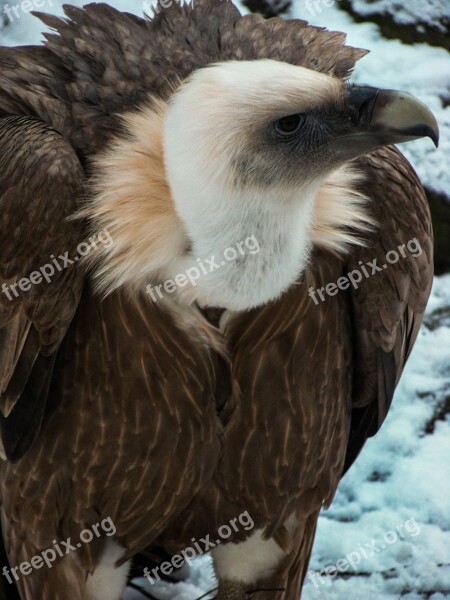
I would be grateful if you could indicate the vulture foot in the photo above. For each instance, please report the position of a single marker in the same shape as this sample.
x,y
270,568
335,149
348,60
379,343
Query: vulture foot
x,y
231,590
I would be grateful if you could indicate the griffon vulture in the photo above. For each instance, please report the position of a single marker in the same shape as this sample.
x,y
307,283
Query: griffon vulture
x,y
167,399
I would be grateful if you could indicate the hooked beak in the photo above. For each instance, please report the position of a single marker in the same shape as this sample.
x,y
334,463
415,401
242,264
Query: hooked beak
x,y
383,117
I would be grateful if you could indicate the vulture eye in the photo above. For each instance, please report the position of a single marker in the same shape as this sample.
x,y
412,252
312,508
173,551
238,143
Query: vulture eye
x,y
290,124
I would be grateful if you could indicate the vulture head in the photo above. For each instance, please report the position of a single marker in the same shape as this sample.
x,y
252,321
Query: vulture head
x,y
252,148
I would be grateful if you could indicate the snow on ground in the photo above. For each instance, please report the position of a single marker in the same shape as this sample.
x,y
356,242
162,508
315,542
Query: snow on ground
x,y
391,515
401,478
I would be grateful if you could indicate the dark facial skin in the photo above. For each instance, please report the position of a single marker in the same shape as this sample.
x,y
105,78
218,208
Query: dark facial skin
x,y
294,148
298,147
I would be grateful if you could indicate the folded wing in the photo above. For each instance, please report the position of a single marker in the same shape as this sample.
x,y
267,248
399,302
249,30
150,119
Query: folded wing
x,y
41,184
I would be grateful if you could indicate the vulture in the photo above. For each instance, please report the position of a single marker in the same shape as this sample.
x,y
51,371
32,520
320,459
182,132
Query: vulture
x,y
214,264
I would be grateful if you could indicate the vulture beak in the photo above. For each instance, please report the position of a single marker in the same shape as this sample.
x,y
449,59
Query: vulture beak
x,y
383,117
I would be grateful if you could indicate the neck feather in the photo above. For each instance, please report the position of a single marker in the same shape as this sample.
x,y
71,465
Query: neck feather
x,y
131,198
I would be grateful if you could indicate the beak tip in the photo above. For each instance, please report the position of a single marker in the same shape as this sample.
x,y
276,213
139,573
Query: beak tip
x,y
427,131
430,131
435,139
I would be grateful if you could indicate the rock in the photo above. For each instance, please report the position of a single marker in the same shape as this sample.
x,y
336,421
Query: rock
x,y
441,412
412,21
440,214
3,18
268,8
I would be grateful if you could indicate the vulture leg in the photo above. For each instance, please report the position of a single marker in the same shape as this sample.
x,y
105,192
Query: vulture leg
x,y
231,590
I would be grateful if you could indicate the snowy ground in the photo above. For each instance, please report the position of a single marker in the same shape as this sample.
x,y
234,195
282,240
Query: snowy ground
x,y
391,515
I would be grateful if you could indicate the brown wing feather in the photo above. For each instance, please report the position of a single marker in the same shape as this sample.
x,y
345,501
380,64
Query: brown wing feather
x,y
131,433
40,185
389,306
286,428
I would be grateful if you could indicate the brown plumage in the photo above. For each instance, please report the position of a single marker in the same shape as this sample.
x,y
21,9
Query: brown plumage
x,y
147,413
